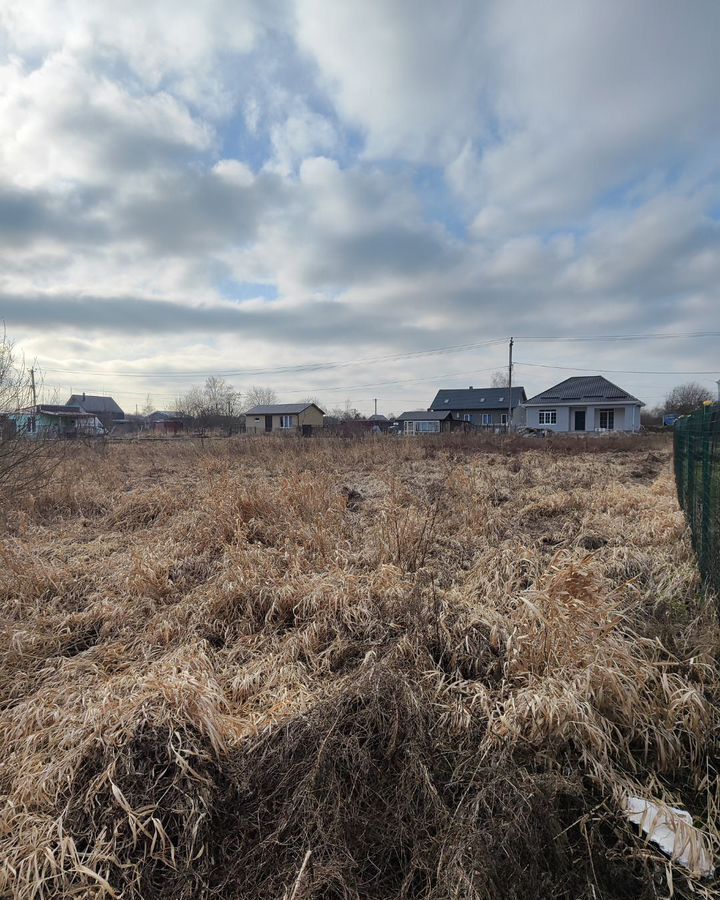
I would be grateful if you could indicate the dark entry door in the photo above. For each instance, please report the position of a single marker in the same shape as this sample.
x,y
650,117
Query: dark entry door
x,y
579,420
307,430
268,423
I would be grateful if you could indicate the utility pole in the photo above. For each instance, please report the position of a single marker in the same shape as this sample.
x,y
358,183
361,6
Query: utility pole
x,y
376,398
32,384
718,384
510,364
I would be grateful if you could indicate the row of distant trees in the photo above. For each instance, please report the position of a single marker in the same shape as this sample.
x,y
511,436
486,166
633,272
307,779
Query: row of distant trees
x,y
218,398
217,403
682,400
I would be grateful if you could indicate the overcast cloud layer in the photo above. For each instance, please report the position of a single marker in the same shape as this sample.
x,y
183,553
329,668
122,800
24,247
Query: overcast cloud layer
x,y
227,186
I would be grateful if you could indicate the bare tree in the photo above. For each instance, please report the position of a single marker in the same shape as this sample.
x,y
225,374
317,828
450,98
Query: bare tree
x,y
23,462
215,404
499,379
345,413
312,399
15,383
685,398
259,396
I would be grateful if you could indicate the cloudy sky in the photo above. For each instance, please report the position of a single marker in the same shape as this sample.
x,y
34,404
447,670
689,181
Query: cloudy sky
x,y
254,186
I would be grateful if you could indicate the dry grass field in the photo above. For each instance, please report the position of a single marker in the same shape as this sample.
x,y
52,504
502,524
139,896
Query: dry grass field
x,y
378,669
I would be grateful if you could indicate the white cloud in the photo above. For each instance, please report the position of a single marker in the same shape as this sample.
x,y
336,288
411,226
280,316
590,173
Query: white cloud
x,y
410,74
406,174
60,122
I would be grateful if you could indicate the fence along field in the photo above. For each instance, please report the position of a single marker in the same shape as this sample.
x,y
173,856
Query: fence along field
x,y
376,669
697,472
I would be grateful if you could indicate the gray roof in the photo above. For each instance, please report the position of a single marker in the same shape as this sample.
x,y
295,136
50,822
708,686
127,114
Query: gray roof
x,y
95,404
478,398
583,389
280,409
53,409
377,417
425,415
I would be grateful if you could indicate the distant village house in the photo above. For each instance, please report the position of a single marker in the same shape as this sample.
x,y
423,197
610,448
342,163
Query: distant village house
x,y
485,408
581,404
104,408
164,422
424,421
284,418
48,420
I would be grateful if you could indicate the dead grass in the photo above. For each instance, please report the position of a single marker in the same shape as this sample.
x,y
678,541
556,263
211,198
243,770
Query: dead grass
x,y
352,669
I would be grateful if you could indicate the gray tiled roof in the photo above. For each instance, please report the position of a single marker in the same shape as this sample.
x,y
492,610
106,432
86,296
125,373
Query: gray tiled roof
x,y
280,409
425,415
95,404
478,398
583,389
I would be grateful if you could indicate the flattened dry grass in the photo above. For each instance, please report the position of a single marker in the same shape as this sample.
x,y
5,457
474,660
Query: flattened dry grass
x,y
380,669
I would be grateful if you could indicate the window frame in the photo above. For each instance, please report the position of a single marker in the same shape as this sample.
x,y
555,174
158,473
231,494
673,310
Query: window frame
x,y
427,426
609,417
503,418
287,418
486,419
547,417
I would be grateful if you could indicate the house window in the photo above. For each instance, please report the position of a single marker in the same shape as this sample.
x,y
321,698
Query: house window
x,y
607,419
427,427
31,424
503,418
287,422
547,417
487,418
467,417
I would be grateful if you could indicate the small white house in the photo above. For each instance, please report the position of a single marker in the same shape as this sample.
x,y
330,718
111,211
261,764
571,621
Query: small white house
x,y
426,421
582,404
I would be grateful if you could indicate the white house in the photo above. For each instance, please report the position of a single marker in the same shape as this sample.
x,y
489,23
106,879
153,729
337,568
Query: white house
x,y
582,404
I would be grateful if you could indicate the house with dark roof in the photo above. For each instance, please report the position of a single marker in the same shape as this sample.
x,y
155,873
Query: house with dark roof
x,y
425,421
103,408
481,407
284,418
581,404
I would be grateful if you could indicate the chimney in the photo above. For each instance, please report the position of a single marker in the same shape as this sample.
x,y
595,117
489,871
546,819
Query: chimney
x,y
470,388
83,396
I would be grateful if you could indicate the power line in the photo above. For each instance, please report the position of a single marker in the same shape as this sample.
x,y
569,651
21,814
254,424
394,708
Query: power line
x,y
614,371
302,367
325,366
621,337
338,390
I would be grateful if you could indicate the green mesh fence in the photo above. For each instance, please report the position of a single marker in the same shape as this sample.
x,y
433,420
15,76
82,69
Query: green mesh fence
x,y
697,474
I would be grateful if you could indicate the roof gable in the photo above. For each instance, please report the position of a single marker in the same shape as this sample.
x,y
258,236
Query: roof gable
x,y
584,389
478,398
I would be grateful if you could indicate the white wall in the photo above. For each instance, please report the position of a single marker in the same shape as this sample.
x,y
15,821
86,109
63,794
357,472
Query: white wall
x,y
566,417
563,417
